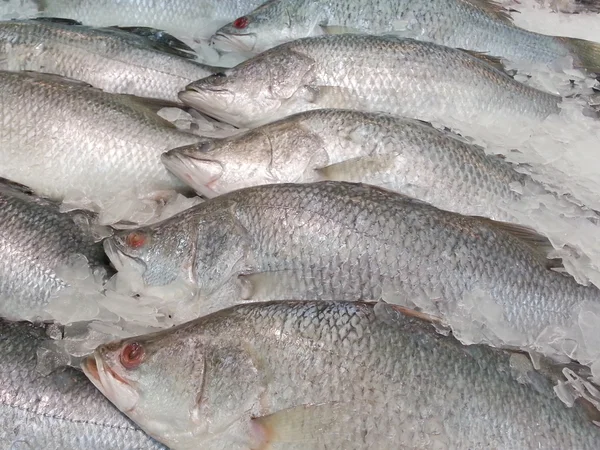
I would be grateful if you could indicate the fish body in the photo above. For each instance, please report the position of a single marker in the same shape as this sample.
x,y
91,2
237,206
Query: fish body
x,y
36,239
83,142
109,59
196,17
330,375
404,77
396,153
60,411
478,25
344,241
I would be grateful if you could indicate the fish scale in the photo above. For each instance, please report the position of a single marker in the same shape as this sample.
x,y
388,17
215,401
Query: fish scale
x,y
333,375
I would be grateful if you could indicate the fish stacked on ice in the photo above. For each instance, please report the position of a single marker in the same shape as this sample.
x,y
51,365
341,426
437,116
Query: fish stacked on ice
x,y
342,232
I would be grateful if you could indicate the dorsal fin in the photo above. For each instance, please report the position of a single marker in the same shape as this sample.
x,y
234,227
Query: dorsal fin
x,y
58,20
52,77
493,61
160,40
491,8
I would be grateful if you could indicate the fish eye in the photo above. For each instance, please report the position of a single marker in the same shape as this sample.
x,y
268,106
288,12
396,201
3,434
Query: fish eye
x,y
241,23
132,355
219,75
135,239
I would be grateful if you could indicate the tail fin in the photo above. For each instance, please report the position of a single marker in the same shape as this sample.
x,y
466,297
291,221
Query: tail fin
x,y
586,54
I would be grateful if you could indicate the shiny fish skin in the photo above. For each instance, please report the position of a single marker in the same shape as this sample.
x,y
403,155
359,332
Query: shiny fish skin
x,y
35,240
84,141
343,241
396,153
61,411
370,73
114,61
346,375
477,25
195,17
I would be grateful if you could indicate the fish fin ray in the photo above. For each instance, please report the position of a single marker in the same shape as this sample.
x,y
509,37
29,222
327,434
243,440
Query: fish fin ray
x,y
493,61
303,423
57,20
43,76
491,8
159,40
586,54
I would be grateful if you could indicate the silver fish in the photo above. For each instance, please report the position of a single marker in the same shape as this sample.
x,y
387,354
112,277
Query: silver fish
x,y
370,73
110,59
344,241
36,239
61,411
478,25
64,137
196,17
400,154
331,375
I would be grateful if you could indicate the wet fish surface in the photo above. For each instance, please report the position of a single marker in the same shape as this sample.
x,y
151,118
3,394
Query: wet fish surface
x,y
60,411
113,60
478,25
84,142
400,154
405,77
330,375
36,239
196,17
344,241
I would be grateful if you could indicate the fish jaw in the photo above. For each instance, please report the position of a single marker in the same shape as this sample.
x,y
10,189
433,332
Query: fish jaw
x,y
121,261
114,387
201,174
225,42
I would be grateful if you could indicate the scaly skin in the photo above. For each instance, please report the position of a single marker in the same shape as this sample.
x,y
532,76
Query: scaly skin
x,y
359,378
369,73
35,240
333,240
113,61
61,411
400,154
82,140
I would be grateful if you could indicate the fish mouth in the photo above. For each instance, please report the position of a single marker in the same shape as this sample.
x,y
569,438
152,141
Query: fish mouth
x,y
212,101
201,174
114,387
120,260
224,42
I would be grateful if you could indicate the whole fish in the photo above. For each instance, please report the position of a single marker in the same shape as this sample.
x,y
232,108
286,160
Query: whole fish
x,y
36,239
194,17
400,154
63,137
113,60
344,241
478,25
330,375
371,73
60,411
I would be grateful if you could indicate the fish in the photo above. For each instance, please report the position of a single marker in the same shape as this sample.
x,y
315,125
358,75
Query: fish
x,y
36,239
400,76
335,375
60,411
344,241
63,138
199,18
136,61
396,153
477,25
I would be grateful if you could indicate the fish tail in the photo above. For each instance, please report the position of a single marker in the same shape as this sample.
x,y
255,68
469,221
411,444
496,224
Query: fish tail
x,y
586,54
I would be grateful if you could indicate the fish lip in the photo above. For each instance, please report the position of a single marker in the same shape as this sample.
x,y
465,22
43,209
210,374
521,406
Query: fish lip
x,y
199,98
226,42
95,370
182,166
119,259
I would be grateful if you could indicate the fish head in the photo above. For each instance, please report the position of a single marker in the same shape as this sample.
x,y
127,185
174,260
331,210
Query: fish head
x,y
269,25
156,253
275,153
185,386
257,91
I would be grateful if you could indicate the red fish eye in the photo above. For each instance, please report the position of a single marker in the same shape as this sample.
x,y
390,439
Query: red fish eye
x,y
241,22
135,239
132,355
